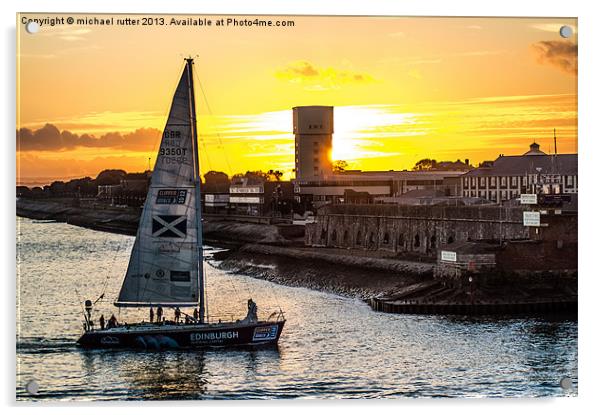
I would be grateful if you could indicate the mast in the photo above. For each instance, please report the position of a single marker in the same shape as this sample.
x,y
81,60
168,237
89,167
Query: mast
x,y
197,189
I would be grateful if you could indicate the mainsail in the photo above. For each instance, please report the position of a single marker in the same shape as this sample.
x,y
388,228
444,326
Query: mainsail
x,y
165,266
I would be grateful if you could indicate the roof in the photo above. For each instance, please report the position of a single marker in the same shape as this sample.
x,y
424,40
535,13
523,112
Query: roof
x,y
564,164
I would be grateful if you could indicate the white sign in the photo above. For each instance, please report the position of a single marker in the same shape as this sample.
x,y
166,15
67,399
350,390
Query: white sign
x,y
531,219
528,199
250,200
449,256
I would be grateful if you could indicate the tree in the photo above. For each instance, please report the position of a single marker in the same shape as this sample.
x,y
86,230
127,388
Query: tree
x,y
216,177
110,177
58,187
425,164
261,176
274,175
339,166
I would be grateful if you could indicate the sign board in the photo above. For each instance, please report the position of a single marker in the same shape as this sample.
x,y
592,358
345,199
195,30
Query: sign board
x,y
448,256
528,199
531,219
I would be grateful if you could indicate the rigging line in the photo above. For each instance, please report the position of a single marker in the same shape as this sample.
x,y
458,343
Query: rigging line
x,y
219,137
109,271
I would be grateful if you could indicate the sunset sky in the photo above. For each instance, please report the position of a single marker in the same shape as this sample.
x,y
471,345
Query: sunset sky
x,y
97,97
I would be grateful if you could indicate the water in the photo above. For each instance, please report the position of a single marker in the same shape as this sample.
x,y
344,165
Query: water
x,y
331,347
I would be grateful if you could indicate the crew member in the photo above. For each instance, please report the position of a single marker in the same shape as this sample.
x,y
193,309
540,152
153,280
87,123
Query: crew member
x,y
159,314
177,314
252,311
195,314
151,314
101,320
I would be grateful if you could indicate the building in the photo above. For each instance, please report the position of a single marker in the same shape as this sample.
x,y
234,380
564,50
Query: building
x,y
259,198
315,182
377,184
533,172
313,127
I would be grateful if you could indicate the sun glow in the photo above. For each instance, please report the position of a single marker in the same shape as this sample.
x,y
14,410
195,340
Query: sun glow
x,y
357,130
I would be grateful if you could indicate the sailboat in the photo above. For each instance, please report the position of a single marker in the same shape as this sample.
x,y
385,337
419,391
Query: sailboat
x,y
165,269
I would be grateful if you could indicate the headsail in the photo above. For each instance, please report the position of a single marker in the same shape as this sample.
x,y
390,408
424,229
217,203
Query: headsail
x,y
165,263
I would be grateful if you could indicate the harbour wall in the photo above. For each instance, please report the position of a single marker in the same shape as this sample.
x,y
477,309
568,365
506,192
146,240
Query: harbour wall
x,y
419,229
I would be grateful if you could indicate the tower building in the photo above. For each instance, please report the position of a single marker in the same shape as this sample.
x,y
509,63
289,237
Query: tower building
x,y
313,129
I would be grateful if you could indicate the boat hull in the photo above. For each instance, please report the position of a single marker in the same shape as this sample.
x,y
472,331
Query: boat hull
x,y
184,336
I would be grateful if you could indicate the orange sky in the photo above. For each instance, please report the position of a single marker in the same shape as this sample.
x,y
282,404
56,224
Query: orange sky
x,y
403,89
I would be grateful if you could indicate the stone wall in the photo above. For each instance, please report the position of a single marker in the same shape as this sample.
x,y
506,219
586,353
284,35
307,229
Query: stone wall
x,y
418,229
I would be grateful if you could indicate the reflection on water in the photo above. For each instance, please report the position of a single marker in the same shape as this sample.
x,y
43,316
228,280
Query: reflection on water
x,y
331,346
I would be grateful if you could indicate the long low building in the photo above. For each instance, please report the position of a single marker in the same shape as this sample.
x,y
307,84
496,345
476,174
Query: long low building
x,y
376,184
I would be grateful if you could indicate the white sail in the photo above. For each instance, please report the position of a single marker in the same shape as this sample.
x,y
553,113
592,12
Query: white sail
x,y
164,267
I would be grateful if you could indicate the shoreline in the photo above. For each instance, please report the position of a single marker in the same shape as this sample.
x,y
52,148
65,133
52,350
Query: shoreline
x,y
389,283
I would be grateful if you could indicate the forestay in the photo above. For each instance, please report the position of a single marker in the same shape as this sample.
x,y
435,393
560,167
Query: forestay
x,y
164,264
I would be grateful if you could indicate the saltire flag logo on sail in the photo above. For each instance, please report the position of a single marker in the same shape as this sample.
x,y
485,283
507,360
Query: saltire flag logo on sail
x,y
169,226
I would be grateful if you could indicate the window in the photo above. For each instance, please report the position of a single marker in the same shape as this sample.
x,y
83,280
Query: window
x,y
417,241
482,182
493,181
569,181
503,180
513,181
358,240
450,240
346,236
400,241
333,236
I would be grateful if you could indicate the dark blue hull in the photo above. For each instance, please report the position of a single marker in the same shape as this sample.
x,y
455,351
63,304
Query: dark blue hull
x,y
184,336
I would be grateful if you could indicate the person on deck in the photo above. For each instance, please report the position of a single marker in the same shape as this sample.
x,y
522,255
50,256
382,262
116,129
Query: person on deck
x,y
252,311
177,314
151,314
159,314
101,320
112,322
195,314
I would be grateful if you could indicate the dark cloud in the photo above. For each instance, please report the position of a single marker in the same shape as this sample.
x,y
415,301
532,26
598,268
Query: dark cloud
x,y
558,53
50,138
304,69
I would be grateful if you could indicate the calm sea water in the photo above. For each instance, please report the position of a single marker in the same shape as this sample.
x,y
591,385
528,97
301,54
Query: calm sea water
x,y
331,347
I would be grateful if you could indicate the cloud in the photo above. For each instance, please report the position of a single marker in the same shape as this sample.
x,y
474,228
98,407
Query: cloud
x,y
559,53
316,78
50,138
